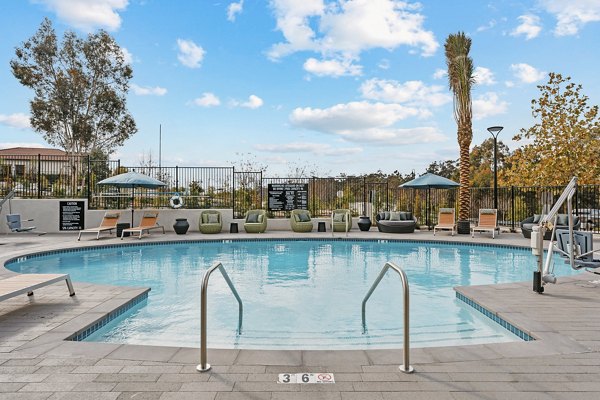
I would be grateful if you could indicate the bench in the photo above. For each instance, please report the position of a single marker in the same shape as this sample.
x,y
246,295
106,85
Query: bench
x,y
27,283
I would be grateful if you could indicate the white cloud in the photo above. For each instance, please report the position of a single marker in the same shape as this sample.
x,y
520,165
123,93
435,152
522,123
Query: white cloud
x,y
572,15
384,64
411,92
489,25
17,120
365,122
233,9
148,90
530,27
484,76
127,56
207,100
305,147
440,73
487,105
190,54
526,73
349,27
334,68
509,83
88,15
253,102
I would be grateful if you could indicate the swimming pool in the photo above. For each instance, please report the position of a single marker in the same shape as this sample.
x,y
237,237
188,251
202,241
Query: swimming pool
x,y
297,294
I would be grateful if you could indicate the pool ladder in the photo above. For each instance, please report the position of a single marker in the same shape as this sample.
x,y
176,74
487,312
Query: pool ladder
x,y
406,368
204,366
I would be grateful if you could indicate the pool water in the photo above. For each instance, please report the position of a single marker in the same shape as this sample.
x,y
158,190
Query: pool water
x,y
296,294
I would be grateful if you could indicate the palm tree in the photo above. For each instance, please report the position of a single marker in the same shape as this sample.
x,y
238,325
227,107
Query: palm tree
x,y
460,79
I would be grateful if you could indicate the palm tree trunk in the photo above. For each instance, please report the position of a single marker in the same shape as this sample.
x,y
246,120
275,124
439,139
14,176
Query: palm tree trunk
x,y
464,194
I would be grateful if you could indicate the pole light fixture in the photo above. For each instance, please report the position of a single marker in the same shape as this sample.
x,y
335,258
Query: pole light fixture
x,y
495,131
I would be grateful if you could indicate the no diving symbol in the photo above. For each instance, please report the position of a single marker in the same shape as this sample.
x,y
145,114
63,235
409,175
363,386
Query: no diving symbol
x,y
324,378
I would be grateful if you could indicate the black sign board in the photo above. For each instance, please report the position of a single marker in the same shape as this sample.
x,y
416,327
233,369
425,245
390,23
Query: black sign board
x,y
71,215
288,196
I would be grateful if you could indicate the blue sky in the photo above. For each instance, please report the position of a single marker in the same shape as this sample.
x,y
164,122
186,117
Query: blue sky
x,y
349,86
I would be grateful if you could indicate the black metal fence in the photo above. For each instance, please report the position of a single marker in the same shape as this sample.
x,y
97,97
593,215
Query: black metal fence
x,y
223,187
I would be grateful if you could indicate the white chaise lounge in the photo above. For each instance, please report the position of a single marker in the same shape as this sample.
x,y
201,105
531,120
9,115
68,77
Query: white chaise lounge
x,y
27,283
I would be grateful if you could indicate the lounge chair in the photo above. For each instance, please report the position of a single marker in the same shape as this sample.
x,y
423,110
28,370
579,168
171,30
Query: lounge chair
x,y
27,283
256,221
14,224
584,250
109,222
149,222
341,221
446,220
210,222
300,221
488,221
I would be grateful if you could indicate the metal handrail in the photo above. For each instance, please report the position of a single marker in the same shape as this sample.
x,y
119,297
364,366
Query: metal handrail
x,y
406,368
204,366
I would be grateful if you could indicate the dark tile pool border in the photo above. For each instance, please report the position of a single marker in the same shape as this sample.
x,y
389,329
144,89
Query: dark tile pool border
x,y
443,243
502,322
88,330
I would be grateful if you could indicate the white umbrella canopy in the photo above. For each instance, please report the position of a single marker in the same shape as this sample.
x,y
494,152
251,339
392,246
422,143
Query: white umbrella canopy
x,y
131,180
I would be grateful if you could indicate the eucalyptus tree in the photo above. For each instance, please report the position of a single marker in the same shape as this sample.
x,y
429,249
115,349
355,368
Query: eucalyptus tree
x,y
461,80
80,87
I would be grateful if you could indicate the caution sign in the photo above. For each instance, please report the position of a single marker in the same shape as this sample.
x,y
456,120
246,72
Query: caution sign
x,y
307,377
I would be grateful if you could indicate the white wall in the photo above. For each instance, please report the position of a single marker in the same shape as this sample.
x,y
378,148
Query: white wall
x,y
45,213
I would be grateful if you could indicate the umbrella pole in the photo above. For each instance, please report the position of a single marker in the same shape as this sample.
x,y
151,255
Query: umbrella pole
x,y
132,199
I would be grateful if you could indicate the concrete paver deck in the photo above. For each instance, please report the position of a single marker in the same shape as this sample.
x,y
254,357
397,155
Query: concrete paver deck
x,y
36,362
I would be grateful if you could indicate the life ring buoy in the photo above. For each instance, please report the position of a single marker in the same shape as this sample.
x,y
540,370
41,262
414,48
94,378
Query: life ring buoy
x,y
176,201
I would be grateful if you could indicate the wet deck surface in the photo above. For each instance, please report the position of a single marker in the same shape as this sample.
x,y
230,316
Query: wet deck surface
x,y
36,362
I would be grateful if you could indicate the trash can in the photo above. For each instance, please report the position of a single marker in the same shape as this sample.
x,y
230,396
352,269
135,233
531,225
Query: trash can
x,y
120,228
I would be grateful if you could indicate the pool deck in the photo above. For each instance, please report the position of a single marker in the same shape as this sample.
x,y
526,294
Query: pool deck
x,y
37,363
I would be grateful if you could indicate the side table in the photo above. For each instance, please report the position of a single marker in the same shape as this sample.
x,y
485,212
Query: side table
x,y
233,227
120,227
321,227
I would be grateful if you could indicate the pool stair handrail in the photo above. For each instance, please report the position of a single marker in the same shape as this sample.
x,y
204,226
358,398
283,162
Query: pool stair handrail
x,y
204,366
406,367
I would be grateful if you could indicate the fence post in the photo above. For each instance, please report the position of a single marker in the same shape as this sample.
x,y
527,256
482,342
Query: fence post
x,y
233,190
176,178
39,177
89,190
119,190
364,211
512,206
260,198
314,206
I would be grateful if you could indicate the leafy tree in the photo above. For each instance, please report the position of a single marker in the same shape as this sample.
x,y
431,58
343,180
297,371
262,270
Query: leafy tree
x,y
447,169
460,79
482,162
80,88
564,142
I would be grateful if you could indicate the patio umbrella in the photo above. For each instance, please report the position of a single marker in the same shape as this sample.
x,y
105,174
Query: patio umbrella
x,y
132,180
430,181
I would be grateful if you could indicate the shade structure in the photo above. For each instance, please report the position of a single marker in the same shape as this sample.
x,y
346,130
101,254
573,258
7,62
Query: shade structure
x,y
132,180
430,181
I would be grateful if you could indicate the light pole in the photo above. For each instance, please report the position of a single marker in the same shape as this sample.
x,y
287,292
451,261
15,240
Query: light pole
x,y
495,131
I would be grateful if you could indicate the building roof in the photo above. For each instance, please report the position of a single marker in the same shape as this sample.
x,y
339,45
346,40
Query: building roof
x,y
31,151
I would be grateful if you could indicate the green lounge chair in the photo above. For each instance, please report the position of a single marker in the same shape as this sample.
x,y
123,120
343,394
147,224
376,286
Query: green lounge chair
x,y
341,221
300,221
210,222
256,221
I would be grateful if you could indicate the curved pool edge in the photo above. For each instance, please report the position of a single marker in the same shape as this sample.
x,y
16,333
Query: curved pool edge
x,y
87,318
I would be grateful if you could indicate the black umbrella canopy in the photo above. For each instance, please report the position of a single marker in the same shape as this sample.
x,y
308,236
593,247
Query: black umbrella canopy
x,y
132,180
429,181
